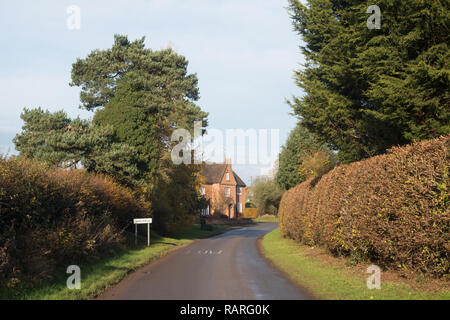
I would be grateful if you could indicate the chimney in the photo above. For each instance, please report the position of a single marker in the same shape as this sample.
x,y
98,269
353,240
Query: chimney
x,y
228,163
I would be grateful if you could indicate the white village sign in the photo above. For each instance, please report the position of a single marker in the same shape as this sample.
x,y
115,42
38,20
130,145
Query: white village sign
x,y
146,221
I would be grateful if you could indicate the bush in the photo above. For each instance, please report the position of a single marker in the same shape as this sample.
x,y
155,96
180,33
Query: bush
x,y
391,209
267,196
51,218
315,164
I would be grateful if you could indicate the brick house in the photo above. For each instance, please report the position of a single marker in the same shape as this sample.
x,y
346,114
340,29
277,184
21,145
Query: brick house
x,y
224,190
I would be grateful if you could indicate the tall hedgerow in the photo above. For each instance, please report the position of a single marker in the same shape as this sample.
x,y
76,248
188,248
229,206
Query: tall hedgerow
x,y
392,209
51,218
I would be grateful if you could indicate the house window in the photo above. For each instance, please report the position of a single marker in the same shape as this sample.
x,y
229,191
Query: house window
x,y
227,192
239,207
238,190
202,191
227,176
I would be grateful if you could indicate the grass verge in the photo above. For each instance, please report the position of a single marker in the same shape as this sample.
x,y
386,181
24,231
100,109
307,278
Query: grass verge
x,y
105,273
327,277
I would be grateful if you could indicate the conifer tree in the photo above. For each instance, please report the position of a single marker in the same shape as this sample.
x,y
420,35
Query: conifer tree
x,y
56,139
366,90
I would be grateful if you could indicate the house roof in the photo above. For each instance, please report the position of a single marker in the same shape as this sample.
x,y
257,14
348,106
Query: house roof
x,y
213,173
239,181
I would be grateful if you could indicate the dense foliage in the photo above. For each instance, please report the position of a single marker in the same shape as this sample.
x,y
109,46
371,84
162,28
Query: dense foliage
x,y
369,89
391,209
60,141
144,95
51,218
266,195
139,97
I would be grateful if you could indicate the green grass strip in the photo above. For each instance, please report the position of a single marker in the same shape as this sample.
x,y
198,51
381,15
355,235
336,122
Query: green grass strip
x,y
326,281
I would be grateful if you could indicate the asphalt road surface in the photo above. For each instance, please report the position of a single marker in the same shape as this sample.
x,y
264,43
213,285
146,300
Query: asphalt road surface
x,y
227,266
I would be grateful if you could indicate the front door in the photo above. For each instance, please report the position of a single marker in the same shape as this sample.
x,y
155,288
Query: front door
x,y
230,211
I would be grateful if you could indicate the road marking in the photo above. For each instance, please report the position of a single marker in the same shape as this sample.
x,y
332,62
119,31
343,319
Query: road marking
x,y
208,252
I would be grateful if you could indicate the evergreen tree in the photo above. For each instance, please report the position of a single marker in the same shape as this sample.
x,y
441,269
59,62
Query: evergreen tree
x,y
144,95
56,139
369,89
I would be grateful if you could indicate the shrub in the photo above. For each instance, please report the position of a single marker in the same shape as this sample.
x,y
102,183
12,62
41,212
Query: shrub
x,y
51,218
391,209
315,164
267,196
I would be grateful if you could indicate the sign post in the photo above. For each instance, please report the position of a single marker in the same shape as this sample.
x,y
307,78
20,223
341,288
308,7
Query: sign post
x,y
146,221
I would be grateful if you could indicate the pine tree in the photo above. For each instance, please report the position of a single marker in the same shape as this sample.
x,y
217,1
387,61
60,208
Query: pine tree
x,y
144,95
369,89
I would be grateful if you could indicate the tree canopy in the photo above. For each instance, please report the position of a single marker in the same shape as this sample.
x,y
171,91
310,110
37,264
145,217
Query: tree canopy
x,y
266,195
56,139
138,96
369,89
143,94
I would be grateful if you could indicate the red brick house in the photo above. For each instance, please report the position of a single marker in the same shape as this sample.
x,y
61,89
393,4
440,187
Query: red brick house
x,y
224,190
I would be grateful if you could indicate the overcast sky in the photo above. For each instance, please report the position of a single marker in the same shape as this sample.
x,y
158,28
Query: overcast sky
x,y
243,52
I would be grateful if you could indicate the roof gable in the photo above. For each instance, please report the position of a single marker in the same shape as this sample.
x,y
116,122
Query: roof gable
x,y
214,173
231,180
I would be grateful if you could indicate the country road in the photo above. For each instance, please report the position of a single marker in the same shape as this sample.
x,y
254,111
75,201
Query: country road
x,y
227,266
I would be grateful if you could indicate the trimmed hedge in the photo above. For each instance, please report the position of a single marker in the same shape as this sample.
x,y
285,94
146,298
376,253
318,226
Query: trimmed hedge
x,y
52,218
251,213
392,209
